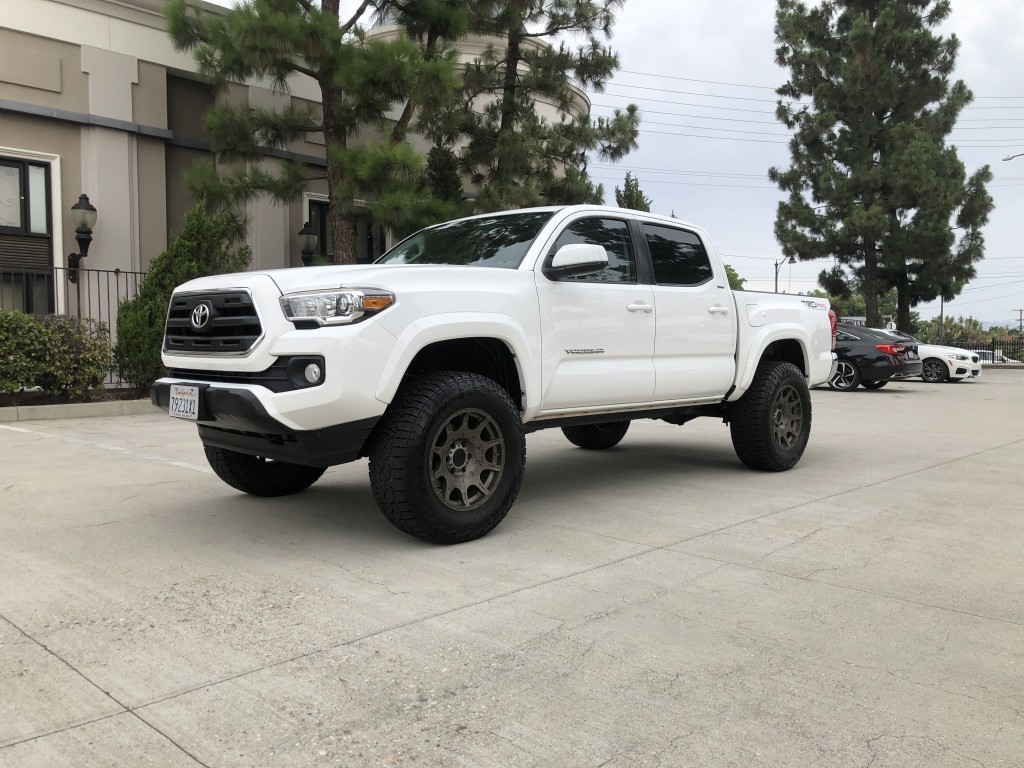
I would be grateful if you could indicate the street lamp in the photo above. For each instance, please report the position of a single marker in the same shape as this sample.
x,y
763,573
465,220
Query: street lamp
x,y
778,266
307,243
1010,157
83,216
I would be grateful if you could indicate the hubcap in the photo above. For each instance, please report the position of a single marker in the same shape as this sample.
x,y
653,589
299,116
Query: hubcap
x,y
844,377
467,458
787,417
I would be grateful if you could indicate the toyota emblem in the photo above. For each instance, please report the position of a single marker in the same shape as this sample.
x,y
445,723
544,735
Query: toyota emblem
x,y
201,316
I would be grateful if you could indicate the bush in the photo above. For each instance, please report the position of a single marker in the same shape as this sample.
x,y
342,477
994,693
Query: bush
x,y
78,357
23,347
62,356
205,246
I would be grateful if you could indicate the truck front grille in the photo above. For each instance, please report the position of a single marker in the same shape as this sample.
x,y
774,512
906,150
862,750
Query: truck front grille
x,y
224,323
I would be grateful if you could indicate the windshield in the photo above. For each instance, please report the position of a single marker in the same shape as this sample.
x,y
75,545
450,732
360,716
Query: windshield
x,y
492,241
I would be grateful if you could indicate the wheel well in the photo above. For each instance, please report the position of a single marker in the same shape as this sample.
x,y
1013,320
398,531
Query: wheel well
x,y
488,357
788,351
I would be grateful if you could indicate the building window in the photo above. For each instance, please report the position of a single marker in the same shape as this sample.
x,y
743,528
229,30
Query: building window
x,y
371,238
26,262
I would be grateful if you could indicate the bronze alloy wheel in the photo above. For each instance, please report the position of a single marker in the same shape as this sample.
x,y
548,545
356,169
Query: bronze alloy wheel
x,y
467,458
787,417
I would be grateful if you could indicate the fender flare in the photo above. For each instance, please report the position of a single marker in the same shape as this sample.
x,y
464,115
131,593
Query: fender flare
x,y
462,325
760,342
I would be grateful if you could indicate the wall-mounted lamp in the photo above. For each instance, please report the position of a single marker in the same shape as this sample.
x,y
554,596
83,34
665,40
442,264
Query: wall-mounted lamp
x,y
307,243
83,216
778,266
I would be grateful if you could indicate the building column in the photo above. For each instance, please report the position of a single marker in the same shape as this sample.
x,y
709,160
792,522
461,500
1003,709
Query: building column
x,y
110,170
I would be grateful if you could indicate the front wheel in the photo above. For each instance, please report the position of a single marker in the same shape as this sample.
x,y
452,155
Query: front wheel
x,y
447,459
597,437
934,371
873,384
771,423
258,476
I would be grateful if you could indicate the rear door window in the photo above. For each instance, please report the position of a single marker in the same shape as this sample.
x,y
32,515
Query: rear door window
x,y
678,256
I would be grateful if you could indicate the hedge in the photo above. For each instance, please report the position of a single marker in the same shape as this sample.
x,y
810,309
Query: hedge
x,y
60,355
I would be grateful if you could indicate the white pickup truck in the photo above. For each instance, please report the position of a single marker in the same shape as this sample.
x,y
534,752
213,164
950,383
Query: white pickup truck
x,y
436,360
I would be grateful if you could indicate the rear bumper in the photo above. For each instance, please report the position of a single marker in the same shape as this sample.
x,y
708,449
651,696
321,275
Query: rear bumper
x,y
236,420
891,372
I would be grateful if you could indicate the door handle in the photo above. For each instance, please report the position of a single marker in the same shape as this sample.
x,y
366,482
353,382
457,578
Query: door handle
x,y
640,308
718,310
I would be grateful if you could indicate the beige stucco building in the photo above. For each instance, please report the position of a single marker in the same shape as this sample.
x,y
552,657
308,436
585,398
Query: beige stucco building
x,y
95,100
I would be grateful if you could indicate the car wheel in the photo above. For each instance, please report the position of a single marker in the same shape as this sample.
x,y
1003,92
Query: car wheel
x,y
934,370
447,458
846,377
873,384
258,476
597,437
771,423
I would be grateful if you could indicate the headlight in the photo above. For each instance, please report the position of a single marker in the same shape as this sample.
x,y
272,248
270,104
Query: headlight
x,y
960,357
338,307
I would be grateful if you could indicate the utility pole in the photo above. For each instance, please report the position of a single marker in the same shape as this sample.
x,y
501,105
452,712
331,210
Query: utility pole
x,y
1020,319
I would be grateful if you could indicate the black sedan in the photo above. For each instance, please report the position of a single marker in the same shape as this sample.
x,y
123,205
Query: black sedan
x,y
871,359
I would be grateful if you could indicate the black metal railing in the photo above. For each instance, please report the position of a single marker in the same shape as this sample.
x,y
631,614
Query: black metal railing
x,y
96,294
1007,350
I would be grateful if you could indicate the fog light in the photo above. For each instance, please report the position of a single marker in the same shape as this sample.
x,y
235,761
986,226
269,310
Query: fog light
x,y
312,373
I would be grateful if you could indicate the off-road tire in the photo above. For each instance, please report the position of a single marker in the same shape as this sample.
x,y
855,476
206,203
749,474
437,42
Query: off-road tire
x,y
771,423
874,384
846,377
440,425
934,371
597,437
258,476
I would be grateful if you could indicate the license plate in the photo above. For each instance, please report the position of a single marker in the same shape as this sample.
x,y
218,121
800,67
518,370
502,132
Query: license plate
x,y
184,402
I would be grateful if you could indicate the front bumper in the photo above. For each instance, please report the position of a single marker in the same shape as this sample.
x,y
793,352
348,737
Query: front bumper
x,y
236,420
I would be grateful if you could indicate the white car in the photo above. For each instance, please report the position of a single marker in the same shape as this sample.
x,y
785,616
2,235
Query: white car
x,y
941,363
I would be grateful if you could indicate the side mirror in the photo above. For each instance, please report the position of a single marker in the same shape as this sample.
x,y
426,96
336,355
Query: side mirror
x,y
576,260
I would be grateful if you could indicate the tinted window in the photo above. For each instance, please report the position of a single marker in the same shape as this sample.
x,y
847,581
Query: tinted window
x,y
614,236
493,241
679,257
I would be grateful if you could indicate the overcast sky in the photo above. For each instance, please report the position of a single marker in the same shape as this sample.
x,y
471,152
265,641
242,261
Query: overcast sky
x,y
732,41
705,147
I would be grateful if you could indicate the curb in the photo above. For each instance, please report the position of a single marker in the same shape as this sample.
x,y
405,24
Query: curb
x,y
77,410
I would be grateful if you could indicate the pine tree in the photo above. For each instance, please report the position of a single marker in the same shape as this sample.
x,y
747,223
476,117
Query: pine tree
x,y
872,182
631,196
360,80
516,157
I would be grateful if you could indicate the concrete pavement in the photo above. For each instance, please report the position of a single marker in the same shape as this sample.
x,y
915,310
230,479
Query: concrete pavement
x,y
652,605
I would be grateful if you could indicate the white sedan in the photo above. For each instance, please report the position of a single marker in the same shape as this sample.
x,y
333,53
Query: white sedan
x,y
940,363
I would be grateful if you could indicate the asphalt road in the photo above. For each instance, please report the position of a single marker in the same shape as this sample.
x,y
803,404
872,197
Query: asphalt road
x,y
652,605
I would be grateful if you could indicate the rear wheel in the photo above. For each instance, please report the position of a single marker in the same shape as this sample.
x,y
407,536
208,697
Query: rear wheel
x,y
597,437
934,370
873,384
447,459
771,423
846,377
258,476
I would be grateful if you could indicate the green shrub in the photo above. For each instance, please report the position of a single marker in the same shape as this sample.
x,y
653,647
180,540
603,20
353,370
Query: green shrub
x,y
205,246
23,350
78,356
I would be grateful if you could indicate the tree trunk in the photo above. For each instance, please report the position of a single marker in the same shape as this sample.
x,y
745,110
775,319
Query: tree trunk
x,y
341,223
903,306
401,128
508,99
869,286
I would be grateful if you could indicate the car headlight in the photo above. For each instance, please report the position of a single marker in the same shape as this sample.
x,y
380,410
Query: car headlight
x,y
959,357
335,307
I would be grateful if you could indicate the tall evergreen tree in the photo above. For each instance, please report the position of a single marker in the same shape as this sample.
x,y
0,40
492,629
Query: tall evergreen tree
x,y
872,182
516,157
631,196
361,79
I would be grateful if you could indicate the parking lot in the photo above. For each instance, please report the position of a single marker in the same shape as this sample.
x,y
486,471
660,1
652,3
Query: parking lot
x,y
653,605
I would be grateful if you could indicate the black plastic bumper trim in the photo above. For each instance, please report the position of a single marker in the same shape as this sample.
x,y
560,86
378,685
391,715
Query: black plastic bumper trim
x,y
234,419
